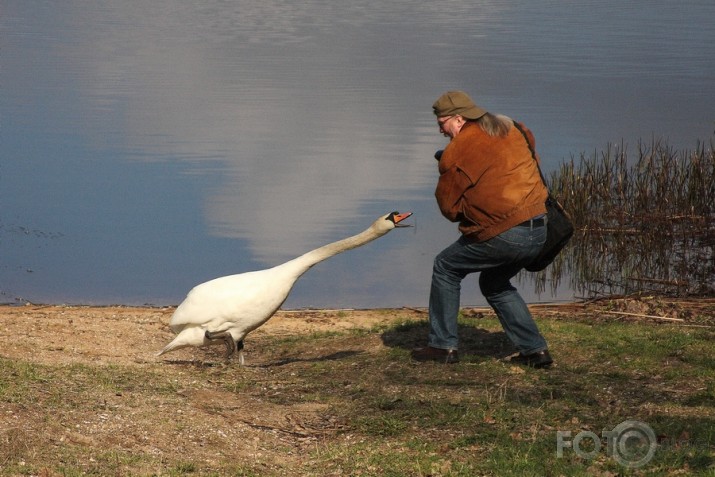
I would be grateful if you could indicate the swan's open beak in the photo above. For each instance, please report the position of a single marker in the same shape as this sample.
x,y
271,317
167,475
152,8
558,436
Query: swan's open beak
x,y
400,217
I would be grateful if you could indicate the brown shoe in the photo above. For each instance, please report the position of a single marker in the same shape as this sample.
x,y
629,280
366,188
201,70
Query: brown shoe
x,y
446,356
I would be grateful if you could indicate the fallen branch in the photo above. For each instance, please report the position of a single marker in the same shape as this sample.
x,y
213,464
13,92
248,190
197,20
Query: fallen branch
x,y
666,318
676,283
417,310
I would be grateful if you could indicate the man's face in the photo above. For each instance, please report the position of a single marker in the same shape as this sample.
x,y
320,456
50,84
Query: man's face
x,y
450,125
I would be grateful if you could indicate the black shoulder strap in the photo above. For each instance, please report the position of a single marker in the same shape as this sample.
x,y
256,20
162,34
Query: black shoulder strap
x,y
531,149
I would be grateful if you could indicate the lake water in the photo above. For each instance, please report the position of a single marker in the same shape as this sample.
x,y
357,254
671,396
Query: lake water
x,y
150,146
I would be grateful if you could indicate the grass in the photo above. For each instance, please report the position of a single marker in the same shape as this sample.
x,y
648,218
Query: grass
x,y
377,413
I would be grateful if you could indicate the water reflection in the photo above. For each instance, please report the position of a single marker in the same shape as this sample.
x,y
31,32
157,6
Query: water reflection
x,y
164,144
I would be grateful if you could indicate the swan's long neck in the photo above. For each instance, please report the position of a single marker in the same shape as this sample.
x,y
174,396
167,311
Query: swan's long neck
x,y
307,260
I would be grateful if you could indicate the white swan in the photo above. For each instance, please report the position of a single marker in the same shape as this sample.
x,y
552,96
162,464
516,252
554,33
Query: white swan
x,y
228,308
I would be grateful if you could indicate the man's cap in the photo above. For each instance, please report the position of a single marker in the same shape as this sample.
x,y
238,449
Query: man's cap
x,y
457,102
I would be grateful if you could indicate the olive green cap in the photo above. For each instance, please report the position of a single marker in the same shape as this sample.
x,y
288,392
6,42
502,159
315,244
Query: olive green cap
x,y
457,102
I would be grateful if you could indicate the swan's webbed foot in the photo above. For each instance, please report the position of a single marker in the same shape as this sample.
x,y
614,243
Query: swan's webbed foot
x,y
231,345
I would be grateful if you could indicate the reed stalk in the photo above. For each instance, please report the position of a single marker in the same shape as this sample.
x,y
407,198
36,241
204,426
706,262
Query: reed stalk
x,y
644,224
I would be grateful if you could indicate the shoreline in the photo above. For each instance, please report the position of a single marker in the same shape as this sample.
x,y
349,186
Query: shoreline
x,y
686,311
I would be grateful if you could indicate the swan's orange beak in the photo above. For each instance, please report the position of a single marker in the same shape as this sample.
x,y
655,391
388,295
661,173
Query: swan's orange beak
x,y
400,217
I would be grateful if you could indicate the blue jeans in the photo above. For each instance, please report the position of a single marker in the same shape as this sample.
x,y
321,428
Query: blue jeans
x,y
498,260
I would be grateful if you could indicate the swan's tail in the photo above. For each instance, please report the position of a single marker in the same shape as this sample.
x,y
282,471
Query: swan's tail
x,y
192,336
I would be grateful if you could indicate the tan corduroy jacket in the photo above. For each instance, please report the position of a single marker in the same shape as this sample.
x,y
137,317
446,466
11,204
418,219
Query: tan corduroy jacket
x,y
489,184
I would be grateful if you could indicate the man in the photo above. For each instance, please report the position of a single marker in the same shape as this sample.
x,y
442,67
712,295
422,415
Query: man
x,y
490,184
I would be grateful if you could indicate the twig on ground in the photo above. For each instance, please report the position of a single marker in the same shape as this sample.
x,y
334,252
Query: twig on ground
x,y
639,315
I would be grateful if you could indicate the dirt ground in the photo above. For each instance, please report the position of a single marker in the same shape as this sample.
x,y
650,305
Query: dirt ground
x,y
214,420
133,335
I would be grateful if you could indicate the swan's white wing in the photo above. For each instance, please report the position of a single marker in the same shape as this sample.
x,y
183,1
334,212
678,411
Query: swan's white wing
x,y
250,297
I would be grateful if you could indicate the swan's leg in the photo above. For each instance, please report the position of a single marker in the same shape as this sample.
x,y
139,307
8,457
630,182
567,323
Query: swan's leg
x,y
227,340
239,348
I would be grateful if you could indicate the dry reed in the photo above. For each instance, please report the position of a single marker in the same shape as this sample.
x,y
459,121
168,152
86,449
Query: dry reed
x,y
642,226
